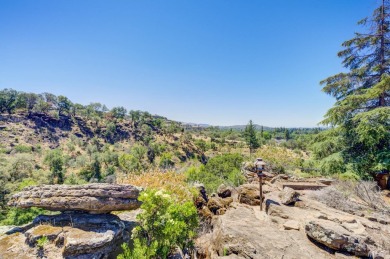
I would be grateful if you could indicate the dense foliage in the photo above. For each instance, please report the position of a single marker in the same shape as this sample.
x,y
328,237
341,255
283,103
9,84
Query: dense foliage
x,y
163,226
222,169
361,114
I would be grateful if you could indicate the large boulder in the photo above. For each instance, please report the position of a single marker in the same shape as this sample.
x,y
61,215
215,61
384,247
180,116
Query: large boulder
x,y
68,235
93,198
336,237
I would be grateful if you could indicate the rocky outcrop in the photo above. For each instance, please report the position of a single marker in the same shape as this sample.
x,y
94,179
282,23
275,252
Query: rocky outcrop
x,y
67,235
337,237
93,198
83,230
309,229
244,232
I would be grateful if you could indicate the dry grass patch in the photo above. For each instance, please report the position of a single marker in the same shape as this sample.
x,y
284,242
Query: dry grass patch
x,y
354,197
170,181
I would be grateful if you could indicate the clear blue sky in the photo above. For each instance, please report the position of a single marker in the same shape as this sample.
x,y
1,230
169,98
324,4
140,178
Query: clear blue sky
x,y
220,62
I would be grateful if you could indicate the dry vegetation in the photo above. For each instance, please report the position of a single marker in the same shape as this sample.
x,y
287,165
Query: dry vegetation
x,y
355,197
169,181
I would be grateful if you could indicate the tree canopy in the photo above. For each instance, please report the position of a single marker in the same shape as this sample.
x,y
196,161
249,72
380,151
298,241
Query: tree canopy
x,y
361,113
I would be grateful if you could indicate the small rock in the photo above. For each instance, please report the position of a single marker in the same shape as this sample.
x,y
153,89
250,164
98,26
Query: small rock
x,y
215,204
224,191
289,196
291,224
356,227
276,210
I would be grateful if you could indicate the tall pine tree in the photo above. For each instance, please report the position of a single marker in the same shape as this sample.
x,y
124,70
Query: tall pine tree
x,y
361,113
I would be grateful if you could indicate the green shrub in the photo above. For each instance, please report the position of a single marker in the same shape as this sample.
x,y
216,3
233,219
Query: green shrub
x,y
23,149
166,160
164,225
332,164
55,160
41,242
219,169
74,180
16,216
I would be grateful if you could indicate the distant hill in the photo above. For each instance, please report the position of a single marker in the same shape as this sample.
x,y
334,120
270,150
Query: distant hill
x,y
240,127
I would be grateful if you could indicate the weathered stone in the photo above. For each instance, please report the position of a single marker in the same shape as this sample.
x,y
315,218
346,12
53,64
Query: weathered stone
x,y
338,238
278,177
94,198
33,234
216,204
289,196
275,210
249,194
240,233
224,191
291,224
69,235
380,218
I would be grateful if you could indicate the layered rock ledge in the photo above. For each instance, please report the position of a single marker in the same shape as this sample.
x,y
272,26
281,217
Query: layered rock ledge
x,y
68,235
92,198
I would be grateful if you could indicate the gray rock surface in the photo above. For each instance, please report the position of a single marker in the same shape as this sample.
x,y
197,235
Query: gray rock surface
x,y
336,237
93,198
245,232
286,232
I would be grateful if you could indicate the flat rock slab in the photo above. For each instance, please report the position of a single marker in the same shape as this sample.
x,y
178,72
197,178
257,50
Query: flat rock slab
x,y
93,198
304,185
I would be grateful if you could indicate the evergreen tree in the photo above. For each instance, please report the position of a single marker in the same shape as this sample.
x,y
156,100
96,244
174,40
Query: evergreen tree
x,y
361,113
287,134
250,137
